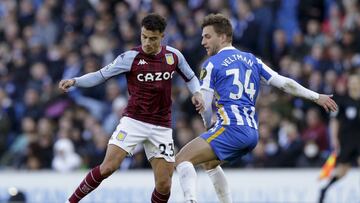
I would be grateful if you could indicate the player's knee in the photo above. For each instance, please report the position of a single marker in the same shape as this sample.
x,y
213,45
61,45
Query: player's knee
x,y
163,185
208,166
107,169
342,170
179,158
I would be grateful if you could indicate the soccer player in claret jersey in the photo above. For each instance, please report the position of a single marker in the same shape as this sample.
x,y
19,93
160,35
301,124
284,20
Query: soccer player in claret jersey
x,y
234,77
149,69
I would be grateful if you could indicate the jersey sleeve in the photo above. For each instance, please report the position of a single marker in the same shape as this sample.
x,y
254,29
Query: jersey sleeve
x,y
183,67
121,64
206,76
266,73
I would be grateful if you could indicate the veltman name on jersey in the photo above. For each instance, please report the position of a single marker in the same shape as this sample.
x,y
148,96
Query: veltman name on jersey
x,y
235,57
157,76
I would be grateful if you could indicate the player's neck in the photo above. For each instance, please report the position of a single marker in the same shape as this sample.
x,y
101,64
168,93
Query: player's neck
x,y
225,45
158,51
153,53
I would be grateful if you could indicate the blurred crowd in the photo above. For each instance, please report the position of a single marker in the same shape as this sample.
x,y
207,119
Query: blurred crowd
x,y
315,42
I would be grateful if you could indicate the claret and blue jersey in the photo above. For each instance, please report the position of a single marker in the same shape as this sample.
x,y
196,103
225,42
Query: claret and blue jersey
x,y
234,77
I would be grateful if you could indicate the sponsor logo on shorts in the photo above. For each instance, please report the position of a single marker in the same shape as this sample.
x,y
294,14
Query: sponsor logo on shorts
x,y
121,135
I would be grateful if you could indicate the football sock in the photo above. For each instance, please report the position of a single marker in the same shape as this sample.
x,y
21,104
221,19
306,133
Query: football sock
x,y
323,190
157,197
188,178
221,186
90,182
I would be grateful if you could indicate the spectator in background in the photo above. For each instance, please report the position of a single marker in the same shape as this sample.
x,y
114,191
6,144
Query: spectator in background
x,y
291,147
334,22
44,24
313,33
46,133
18,150
246,30
310,10
315,130
118,106
65,157
32,105
16,196
280,47
5,120
298,49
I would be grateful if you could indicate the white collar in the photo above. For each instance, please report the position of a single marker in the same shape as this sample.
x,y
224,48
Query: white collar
x,y
226,48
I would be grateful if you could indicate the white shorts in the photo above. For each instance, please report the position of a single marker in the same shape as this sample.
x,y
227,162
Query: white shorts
x,y
157,140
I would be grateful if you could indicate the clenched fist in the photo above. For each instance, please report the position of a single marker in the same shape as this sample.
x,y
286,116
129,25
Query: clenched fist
x,y
198,101
64,85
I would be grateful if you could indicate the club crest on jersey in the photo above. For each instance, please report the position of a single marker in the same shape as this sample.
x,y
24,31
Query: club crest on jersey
x,y
203,74
169,59
121,135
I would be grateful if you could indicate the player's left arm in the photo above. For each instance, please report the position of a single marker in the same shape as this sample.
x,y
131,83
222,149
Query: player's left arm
x,y
290,86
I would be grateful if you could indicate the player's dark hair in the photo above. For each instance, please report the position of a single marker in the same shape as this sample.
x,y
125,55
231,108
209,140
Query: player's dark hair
x,y
220,23
154,22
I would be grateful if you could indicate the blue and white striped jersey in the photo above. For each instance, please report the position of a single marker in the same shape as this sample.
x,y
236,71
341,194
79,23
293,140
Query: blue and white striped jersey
x,y
234,77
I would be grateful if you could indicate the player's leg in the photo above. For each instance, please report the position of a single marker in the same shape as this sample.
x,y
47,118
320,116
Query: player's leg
x,y
113,158
340,171
163,171
127,135
159,149
217,177
195,152
348,150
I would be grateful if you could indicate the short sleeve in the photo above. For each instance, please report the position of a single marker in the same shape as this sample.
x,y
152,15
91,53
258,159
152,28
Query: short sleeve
x,y
266,73
206,76
183,67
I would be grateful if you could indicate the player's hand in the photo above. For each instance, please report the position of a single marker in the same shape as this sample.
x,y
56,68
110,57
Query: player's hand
x,y
64,85
198,102
326,102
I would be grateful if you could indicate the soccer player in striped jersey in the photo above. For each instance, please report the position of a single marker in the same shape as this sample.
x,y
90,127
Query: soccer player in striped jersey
x,y
149,69
233,77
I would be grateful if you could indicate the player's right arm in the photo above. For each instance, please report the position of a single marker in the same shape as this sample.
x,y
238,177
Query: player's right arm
x,y
290,86
334,134
207,113
121,64
334,127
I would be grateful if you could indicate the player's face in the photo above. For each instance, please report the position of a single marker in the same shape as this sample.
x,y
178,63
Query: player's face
x,y
354,83
150,41
210,40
